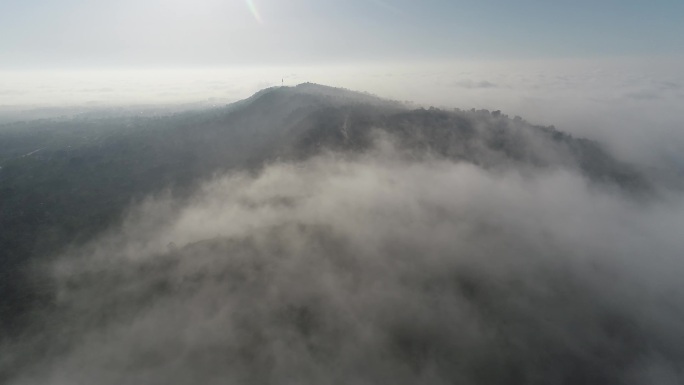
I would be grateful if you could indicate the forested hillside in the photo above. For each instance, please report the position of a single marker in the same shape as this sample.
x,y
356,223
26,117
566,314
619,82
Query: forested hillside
x,y
63,181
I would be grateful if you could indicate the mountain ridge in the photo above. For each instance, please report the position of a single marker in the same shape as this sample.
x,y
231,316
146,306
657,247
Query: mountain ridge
x,y
89,172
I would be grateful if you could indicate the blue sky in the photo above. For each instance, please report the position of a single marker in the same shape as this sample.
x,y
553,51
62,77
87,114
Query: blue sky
x,y
198,33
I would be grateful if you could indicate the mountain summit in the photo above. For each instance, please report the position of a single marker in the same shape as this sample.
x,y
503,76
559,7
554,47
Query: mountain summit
x,y
303,120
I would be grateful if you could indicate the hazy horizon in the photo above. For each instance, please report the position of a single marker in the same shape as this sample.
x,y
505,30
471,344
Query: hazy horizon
x,y
610,100
585,67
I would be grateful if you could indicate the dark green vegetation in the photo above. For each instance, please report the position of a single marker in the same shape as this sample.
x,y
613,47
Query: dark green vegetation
x,y
64,181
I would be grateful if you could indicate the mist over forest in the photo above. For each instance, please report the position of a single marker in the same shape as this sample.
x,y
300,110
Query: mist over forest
x,y
313,234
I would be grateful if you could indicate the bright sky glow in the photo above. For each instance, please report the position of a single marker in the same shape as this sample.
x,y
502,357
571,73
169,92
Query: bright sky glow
x,y
77,34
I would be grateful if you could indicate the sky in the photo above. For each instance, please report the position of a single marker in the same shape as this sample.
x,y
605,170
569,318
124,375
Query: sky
x,y
77,34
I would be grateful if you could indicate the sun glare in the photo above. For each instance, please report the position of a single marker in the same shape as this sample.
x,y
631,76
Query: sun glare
x,y
255,11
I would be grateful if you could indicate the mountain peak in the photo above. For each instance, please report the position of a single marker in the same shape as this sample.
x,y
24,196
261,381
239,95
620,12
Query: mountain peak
x,y
334,96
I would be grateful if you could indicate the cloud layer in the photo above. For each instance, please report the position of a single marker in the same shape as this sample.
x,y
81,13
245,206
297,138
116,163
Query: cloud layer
x,y
372,269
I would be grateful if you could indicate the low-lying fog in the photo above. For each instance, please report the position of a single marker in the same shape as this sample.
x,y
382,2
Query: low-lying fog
x,y
374,269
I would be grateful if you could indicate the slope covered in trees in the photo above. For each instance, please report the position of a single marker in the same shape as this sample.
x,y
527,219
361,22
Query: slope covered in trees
x,y
64,181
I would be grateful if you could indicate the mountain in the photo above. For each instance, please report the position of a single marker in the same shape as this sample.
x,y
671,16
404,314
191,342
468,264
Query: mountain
x,y
313,234
64,181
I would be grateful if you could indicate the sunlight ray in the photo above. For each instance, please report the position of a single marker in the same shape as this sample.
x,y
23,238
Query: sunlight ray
x,y
255,11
